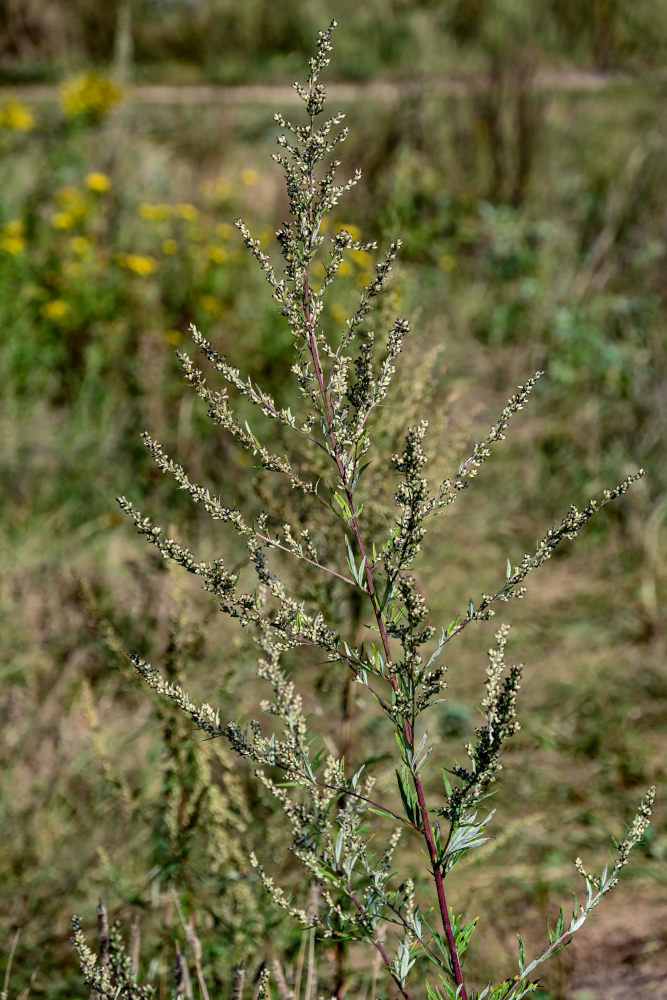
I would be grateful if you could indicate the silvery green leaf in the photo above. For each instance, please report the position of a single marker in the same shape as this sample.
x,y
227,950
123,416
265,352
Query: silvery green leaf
x,y
388,592
355,778
589,893
358,476
467,835
350,557
338,848
438,650
247,427
422,744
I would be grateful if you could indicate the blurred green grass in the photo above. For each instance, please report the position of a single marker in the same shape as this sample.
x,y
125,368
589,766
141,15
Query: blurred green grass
x,y
114,235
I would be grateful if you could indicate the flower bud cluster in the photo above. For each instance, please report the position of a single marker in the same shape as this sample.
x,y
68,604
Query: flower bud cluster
x,y
499,710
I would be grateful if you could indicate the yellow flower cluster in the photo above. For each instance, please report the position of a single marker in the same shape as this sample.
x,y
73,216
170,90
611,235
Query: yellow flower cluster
x,y
15,116
63,220
249,177
154,213
216,254
338,312
72,203
140,264
80,245
97,182
362,258
188,212
210,304
12,238
56,309
89,96
72,208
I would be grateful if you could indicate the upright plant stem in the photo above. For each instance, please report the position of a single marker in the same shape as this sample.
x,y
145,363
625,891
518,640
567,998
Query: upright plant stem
x,y
354,522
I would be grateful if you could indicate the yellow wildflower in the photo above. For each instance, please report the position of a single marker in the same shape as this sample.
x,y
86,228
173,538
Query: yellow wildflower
x,y
249,177
80,245
89,96
225,230
72,201
338,312
14,227
154,213
139,264
12,244
56,309
98,182
66,195
362,258
62,220
12,240
210,304
72,268
345,268
173,337
187,211
217,254
169,246
15,116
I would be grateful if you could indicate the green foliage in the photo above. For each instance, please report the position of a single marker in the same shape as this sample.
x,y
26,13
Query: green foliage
x,y
343,377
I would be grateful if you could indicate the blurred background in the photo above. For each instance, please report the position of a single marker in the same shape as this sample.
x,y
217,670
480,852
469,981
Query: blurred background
x,y
520,151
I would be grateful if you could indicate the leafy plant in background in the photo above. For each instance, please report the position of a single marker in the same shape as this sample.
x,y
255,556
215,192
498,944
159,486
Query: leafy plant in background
x,y
199,817
345,835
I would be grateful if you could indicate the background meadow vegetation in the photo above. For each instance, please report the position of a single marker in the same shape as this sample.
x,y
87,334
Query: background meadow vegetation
x,y
523,165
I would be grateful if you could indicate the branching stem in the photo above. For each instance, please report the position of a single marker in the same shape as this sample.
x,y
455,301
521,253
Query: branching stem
x,y
354,523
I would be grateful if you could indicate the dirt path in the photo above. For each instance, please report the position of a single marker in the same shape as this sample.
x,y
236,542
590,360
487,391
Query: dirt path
x,y
623,954
383,90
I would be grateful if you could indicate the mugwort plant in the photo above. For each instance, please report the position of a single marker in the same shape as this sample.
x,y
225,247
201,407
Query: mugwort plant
x,y
343,834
